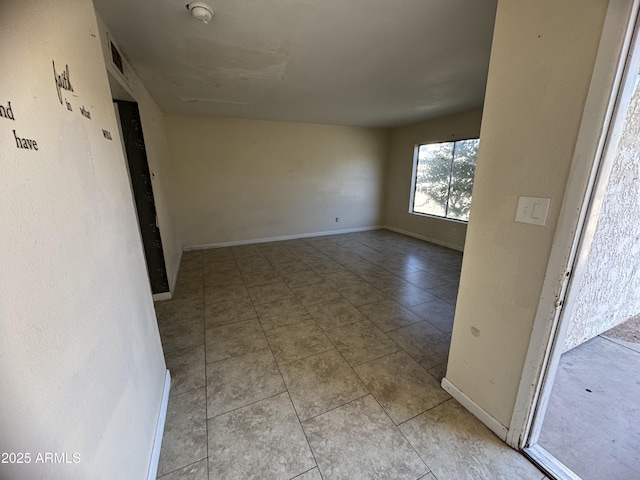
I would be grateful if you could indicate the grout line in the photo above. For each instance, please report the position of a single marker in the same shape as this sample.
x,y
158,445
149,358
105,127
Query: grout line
x,y
428,409
235,322
337,407
182,350
307,471
355,247
405,326
416,452
397,427
424,411
434,326
238,356
184,466
308,356
303,432
204,339
249,404
189,391
293,405
400,349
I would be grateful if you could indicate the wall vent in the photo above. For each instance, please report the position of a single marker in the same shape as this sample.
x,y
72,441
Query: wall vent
x,y
121,67
116,58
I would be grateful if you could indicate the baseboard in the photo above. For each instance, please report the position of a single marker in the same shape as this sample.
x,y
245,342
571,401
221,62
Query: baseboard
x,y
279,239
174,280
157,442
159,297
480,413
426,239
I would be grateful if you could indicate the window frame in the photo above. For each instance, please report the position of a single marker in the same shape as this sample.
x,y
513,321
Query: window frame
x,y
414,180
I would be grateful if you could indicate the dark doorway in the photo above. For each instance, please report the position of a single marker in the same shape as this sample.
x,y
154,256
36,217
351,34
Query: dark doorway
x,y
143,194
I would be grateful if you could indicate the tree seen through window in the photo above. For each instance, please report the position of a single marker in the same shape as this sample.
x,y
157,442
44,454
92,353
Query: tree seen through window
x,y
444,179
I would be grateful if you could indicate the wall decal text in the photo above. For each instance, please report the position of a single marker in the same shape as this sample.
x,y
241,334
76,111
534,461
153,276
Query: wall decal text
x,y
25,143
85,113
106,134
63,81
7,112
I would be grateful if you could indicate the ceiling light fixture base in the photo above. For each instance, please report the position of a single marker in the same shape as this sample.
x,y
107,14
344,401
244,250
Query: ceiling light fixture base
x,y
200,11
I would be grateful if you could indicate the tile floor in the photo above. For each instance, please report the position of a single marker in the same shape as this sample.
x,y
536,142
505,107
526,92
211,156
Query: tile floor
x,y
320,359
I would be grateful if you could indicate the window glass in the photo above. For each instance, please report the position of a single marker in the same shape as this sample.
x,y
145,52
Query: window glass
x,y
432,179
444,179
464,168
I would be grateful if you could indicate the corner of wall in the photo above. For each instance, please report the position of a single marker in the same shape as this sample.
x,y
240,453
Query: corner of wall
x,y
480,413
290,190
153,125
399,171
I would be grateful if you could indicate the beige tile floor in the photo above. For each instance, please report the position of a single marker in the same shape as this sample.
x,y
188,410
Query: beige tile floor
x,y
320,359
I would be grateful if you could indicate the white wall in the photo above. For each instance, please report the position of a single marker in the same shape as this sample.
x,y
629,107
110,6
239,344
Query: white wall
x,y
81,362
460,126
237,180
609,287
155,141
540,70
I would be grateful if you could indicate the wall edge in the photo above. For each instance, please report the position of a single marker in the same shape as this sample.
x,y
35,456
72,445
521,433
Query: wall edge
x,y
476,410
278,239
162,416
426,239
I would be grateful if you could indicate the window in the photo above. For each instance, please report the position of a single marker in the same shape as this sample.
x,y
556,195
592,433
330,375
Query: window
x,y
443,179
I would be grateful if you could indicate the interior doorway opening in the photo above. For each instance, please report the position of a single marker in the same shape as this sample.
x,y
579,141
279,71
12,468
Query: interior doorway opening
x,y
140,180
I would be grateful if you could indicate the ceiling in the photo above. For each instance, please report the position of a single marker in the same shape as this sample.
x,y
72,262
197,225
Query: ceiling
x,y
376,63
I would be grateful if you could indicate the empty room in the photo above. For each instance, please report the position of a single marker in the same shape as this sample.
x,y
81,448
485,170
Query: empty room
x,y
306,239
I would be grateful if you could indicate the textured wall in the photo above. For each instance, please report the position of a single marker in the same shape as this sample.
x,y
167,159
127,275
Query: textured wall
x,y
609,289
540,70
81,364
400,170
155,141
237,179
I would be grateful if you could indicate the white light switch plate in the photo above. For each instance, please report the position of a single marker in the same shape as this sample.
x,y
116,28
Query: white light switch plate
x,y
532,210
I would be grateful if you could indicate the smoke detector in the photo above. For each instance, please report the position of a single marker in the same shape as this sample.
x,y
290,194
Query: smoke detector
x,y
200,11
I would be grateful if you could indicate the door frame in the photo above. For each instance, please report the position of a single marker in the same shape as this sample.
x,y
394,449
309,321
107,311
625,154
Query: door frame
x,y
160,295
609,95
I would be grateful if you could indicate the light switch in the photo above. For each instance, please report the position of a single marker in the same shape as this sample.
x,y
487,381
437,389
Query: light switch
x,y
532,210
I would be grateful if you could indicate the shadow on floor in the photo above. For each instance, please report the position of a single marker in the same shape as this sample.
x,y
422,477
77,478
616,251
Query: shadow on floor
x,y
592,423
320,359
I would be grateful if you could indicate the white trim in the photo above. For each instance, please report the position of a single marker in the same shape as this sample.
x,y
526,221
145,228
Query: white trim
x,y
437,217
123,78
174,280
159,297
426,239
551,466
476,410
544,351
157,442
156,296
414,176
279,239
